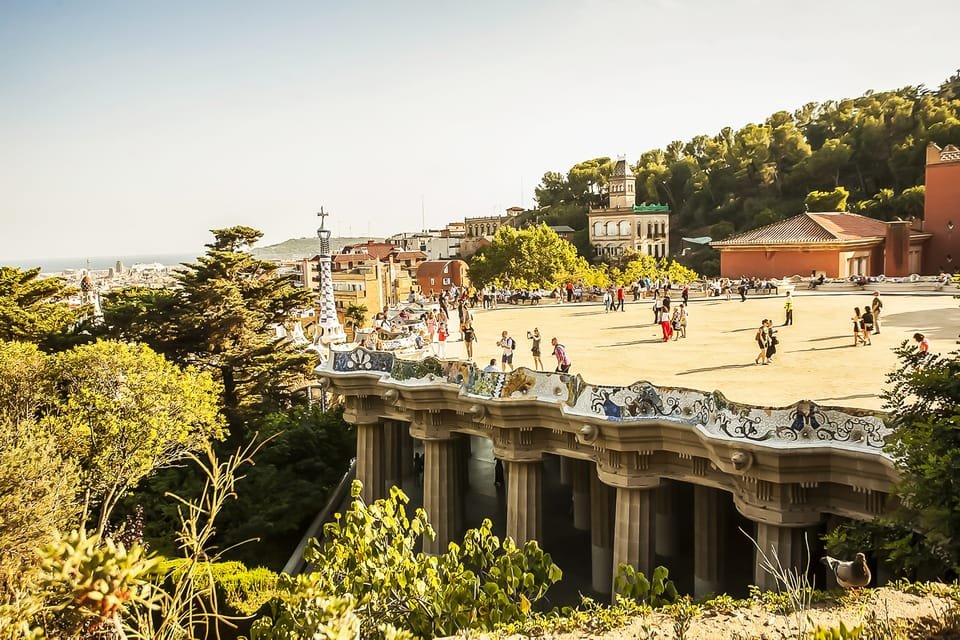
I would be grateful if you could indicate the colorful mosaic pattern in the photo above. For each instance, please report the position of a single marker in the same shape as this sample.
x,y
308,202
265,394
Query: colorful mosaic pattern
x,y
802,424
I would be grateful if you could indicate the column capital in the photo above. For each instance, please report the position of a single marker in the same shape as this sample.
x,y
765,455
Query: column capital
x,y
429,425
620,479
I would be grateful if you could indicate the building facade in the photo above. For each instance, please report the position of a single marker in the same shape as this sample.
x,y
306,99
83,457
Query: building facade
x,y
624,226
434,276
941,209
834,244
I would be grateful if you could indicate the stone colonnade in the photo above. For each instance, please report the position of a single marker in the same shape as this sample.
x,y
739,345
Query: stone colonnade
x,y
638,523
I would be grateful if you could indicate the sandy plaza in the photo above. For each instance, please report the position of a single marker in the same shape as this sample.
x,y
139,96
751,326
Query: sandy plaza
x,y
816,359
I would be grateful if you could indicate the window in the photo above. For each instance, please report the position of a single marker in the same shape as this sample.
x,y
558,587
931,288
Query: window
x,y
598,228
432,282
624,228
611,228
446,281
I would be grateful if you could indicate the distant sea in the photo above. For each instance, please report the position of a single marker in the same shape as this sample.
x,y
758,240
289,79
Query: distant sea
x,y
51,265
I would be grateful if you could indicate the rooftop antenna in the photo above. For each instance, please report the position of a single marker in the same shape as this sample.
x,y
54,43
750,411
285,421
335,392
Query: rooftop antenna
x,y
423,215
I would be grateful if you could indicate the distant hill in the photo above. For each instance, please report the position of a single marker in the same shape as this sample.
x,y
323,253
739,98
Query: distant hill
x,y
303,247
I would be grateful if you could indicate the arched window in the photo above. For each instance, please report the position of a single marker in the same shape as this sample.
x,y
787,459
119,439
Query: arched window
x,y
598,228
625,227
611,228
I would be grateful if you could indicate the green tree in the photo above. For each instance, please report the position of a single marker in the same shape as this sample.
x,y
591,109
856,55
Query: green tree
x,y
835,200
123,411
34,309
220,319
535,257
355,316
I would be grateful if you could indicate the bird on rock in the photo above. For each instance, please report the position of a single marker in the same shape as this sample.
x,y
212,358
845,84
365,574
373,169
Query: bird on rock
x,y
851,574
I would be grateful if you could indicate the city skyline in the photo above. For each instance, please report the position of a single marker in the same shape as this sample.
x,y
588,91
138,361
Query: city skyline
x,y
136,129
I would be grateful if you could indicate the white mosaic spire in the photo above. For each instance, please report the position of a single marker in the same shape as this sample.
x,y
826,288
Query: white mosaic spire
x,y
332,330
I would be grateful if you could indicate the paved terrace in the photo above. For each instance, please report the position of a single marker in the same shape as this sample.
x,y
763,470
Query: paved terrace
x,y
815,359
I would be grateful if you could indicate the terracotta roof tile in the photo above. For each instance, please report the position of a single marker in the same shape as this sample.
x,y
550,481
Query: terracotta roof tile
x,y
810,228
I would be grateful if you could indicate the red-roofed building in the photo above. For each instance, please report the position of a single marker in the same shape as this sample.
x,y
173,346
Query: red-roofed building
x,y
357,255
837,245
434,276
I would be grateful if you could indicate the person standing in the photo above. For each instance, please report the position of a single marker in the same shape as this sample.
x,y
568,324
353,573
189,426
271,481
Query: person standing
x,y
560,353
442,339
508,344
665,323
685,294
607,300
535,348
620,301
469,337
876,306
657,307
922,345
788,309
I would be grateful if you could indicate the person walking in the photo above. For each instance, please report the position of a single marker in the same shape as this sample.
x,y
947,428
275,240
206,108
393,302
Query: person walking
x,y
857,327
620,298
535,348
867,321
607,300
680,326
788,309
685,294
876,306
762,338
508,344
772,340
469,337
657,308
560,353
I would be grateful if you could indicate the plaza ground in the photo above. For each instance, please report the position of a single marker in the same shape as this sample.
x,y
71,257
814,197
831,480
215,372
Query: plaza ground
x,y
816,359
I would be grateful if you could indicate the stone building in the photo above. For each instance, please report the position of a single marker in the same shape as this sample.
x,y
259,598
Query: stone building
x,y
624,225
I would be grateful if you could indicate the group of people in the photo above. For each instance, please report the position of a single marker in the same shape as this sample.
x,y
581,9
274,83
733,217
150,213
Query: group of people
x,y
508,346
672,319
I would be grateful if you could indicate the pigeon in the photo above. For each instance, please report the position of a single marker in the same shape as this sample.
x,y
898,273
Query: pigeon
x,y
851,574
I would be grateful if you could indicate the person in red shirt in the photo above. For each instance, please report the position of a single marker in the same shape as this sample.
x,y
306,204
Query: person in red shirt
x,y
620,301
922,345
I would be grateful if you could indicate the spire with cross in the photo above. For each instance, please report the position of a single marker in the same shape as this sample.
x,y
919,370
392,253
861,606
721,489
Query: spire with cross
x,y
323,233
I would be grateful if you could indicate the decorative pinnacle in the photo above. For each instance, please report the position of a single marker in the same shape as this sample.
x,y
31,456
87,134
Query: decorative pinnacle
x,y
323,233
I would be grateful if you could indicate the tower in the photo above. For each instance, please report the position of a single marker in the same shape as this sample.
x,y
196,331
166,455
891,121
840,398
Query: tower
x,y
622,186
941,209
332,330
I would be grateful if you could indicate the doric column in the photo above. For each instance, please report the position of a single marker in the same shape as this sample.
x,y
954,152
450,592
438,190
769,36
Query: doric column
x,y
440,499
406,451
634,530
581,494
524,507
601,533
392,433
370,459
709,531
783,543
566,470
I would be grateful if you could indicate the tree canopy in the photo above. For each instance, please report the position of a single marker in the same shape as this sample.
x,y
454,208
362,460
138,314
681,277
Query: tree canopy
x,y
34,309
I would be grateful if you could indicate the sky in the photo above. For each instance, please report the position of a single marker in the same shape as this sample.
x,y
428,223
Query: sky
x,y
136,127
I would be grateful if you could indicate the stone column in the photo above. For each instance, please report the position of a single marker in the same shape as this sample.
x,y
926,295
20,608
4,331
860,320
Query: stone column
x,y
392,433
709,529
783,543
601,534
370,459
440,499
566,468
524,505
634,530
581,494
667,498
406,451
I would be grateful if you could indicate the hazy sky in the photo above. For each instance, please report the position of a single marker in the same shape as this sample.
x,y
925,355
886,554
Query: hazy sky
x,y
135,127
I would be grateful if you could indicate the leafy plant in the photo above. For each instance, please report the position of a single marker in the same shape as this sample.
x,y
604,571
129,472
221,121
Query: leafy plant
x,y
658,591
838,633
369,554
